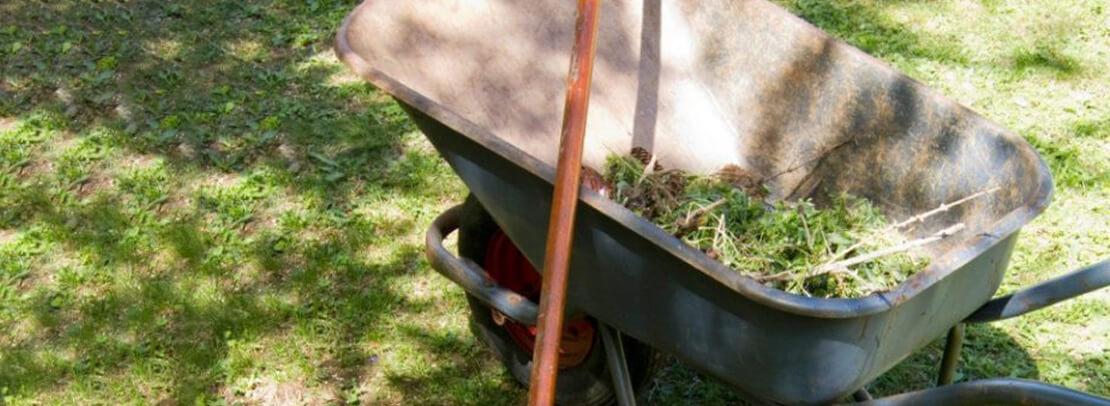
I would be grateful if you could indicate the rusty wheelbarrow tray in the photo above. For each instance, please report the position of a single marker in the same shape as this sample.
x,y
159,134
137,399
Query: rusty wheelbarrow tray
x,y
702,84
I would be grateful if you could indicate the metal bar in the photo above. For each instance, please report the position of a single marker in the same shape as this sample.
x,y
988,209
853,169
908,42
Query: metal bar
x,y
473,279
560,227
618,365
1044,294
1006,391
951,357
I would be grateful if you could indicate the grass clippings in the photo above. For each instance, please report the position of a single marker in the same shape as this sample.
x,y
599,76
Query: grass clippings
x,y
845,249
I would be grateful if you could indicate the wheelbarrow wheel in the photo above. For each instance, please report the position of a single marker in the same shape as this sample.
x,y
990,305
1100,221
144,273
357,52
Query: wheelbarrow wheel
x,y
584,377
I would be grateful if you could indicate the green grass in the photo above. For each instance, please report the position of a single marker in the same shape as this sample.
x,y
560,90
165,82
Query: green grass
x,y
198,204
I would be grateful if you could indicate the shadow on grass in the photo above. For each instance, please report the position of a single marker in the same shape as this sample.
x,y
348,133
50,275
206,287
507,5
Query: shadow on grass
x,y
163,320
1098,368
1046,57
988,352
865,27
459,356
162,288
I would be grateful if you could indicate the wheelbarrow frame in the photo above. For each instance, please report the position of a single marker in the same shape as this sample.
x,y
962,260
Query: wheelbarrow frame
x,y
629,274
476,282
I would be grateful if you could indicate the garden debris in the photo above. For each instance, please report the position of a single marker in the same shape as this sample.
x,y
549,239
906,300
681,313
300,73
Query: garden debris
x,y
844,249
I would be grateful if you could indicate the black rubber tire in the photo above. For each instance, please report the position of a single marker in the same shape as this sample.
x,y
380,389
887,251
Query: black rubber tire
x,y
588,383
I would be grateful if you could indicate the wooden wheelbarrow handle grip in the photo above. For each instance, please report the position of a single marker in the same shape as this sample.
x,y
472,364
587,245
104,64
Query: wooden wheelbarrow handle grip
x,y
560,230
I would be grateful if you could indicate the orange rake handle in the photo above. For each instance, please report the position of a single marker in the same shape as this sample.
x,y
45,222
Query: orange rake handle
x,y
560,232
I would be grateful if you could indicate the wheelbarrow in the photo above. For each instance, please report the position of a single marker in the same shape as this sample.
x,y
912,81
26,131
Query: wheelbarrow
x,y
702,84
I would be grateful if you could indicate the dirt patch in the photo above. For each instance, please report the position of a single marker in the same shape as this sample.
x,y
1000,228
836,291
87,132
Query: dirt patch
x,y
37,167
7,124
96,182
141,160
7,236
343,78
269,392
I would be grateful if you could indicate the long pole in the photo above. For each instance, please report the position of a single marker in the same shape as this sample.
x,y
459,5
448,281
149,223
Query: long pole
x,y
560,231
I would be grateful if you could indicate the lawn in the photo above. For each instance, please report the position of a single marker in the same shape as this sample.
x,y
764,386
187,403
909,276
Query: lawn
x,y
198,204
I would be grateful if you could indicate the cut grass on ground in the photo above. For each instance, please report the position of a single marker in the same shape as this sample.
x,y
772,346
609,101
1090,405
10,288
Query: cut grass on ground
x,y
199,204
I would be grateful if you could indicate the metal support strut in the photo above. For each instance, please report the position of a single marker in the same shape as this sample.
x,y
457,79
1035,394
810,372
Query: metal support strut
x,y
951,358
618,365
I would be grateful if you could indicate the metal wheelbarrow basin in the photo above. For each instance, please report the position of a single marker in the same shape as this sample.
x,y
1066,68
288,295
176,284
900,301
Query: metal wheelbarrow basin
x,y
702,84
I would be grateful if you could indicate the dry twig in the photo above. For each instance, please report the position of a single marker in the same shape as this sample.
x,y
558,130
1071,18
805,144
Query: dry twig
x,y
944,207
693,219
906,246
919,218
842,267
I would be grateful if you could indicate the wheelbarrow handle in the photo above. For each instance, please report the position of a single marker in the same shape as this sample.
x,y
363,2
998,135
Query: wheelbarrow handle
x,y
473,279
1005,391
1044,294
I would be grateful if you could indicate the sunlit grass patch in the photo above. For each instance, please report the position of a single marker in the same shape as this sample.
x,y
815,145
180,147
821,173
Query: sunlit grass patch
x,y
198,203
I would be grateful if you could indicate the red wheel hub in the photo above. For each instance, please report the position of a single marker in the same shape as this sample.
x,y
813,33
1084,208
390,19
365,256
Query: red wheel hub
x,y
508,266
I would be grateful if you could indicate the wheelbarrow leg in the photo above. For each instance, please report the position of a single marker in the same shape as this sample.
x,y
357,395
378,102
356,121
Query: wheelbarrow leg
x,y
951,355
618,366
862,395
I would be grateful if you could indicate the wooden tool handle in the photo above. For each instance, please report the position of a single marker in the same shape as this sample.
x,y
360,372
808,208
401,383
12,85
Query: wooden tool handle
x,y
560,232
